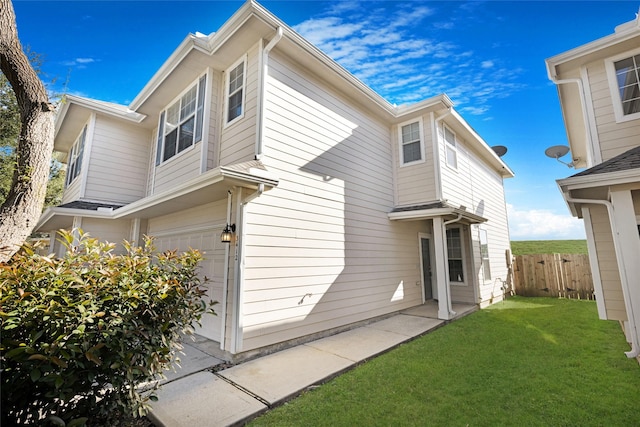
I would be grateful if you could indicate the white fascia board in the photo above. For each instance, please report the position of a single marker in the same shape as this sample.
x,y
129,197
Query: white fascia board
x,y
207,179
599,180
190,42
622,33
115,110
51,212
431,213
482,145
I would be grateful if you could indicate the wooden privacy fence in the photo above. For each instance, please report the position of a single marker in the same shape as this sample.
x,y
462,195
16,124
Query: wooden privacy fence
x,y
553,275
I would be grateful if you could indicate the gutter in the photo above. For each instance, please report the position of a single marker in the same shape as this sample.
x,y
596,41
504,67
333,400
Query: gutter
x,y
264,71
635,350
583,106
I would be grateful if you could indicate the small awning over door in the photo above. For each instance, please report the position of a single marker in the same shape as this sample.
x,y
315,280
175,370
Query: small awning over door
x,y
434,209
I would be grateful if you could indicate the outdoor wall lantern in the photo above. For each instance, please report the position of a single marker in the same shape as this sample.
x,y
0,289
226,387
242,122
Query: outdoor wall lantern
x,y
227,233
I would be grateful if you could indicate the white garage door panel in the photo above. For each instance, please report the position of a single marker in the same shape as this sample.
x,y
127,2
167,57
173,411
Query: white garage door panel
x,y
211,267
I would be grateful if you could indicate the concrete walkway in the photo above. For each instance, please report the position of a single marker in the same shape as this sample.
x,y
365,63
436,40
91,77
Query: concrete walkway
x,y
196,396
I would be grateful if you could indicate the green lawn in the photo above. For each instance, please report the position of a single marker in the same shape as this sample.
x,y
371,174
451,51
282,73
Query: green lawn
x,y
528,247
523,362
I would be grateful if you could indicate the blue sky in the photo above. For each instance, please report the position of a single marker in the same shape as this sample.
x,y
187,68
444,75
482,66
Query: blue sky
x,y
488,56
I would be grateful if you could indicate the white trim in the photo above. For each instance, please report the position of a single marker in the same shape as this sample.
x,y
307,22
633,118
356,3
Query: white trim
x,y
244,60
434,290
463,258
594,155
593,262
613,86
206,117
420,142
88,143
454,147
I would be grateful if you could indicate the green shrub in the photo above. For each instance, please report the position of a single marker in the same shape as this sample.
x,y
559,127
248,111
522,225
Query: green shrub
x,y
80,334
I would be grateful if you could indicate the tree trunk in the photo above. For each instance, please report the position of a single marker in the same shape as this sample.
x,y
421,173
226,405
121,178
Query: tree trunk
x,y
21,211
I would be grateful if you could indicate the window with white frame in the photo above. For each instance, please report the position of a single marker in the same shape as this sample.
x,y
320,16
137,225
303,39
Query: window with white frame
x,y
180,125
451,149
624,79
235,91
455,254
411,143
484,253
75,157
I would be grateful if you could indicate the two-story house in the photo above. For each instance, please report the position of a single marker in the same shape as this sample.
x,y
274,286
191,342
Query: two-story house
x,y
336,206
599,89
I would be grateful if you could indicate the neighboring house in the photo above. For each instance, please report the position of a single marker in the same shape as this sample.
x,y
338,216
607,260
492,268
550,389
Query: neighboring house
x,y
599,90
342,207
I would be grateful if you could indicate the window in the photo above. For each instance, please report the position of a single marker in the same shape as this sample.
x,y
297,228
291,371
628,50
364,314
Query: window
x,y
624,80
75,157
454,254
180,125
484,253
451,150
411,143
235,92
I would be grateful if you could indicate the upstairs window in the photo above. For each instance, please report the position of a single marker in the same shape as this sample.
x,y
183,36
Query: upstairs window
x,y
411,150
75,157
180,125
451,149
235,92
624,79
455,255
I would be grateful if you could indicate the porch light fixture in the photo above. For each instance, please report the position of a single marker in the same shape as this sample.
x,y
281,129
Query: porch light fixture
x,y
227,233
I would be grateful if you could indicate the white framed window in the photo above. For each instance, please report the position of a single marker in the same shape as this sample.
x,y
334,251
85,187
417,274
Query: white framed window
x,y
180,124
623,73
235,91
455,255
411,142
75,157
484,254
451,148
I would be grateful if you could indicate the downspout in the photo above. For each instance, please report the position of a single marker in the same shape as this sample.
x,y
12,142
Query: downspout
x,y
583,105
635,351
225,280
263,90
448,284
436,153
239,276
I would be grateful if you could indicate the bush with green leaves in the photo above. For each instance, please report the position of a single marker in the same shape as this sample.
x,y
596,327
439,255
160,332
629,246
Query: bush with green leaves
x,y
81,333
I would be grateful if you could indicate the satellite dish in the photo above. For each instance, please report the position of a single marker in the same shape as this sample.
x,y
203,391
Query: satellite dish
x,y
556,151
500,150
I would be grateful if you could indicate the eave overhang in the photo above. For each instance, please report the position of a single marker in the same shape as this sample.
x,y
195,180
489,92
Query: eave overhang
x,y
208,187
432,210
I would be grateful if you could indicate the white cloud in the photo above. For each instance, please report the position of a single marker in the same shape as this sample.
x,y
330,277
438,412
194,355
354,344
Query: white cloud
x,y
543,224
79,62
401,55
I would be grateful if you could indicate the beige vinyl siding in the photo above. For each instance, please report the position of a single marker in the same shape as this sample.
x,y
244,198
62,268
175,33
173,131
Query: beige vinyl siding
x,y
320,251
199,228
118,163
480,188
238,139
607,264
112,231
72,192
615,138
415,183
178,169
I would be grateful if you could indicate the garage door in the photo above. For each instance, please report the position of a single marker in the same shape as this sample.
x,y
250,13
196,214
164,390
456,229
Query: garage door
x,y
212,267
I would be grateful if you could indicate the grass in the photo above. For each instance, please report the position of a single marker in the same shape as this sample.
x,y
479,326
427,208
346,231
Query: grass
x,y
525,362
529,247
